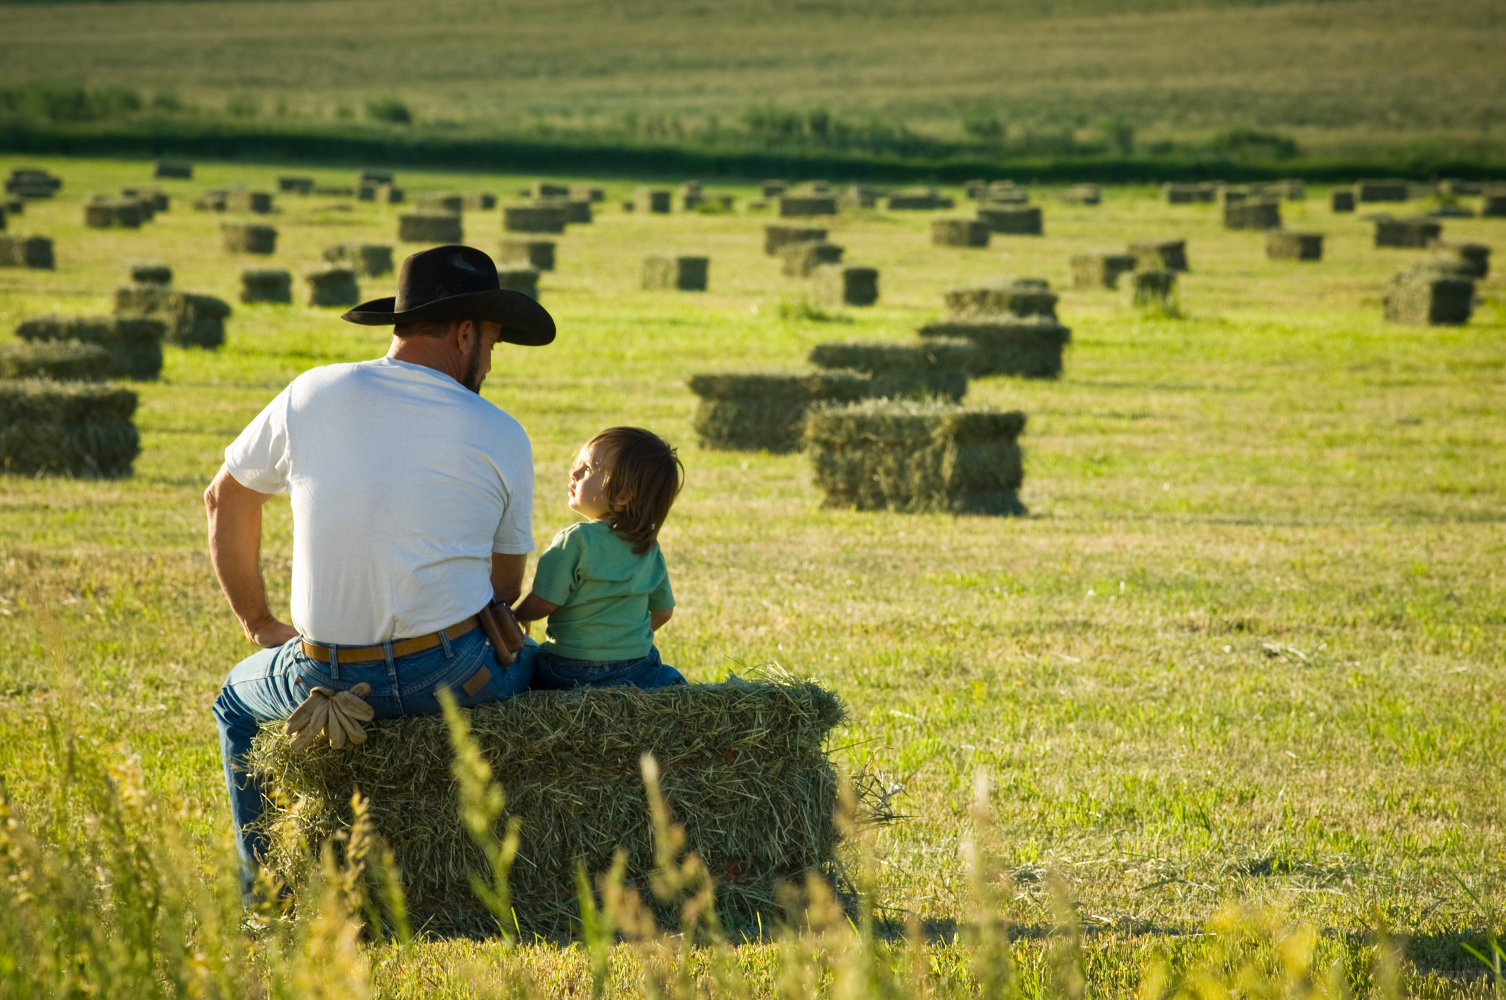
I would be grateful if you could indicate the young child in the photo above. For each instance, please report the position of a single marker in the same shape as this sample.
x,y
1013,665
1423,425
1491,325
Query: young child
x,y
602,583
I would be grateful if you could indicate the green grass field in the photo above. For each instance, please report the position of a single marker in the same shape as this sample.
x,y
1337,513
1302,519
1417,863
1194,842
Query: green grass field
x,y
1247,646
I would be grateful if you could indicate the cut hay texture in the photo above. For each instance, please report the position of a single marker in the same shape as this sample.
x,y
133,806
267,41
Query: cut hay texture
x,y
537,254
1008,297
846,285
1083,194
1160,255
1017,220
1100,270
766,410
444,202
936,367
1418,231
1493,204
251,202
429,227
742,766
134,344
1470,260
687,274
1007,346
248,237
173,169
262,284
1381,190
334,285
798,260
655,200
795,205
1426,298
776,237
26,251
66,428
369,260
1154,287
1252,213
771,188
917,200
151,272
959,232
523,279
911,456
1283,244
1341,200
113,213
296,185
535,218
192,320
59,360
479,200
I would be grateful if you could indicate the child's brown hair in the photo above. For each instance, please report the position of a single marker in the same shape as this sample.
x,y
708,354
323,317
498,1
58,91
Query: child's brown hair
x,y
644,475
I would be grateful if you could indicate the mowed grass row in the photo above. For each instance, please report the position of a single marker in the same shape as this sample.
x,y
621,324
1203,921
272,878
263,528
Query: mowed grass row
x,y
1247,644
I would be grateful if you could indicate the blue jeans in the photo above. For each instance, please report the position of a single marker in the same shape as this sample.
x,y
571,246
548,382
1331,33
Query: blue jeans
x,y
268,685
557,673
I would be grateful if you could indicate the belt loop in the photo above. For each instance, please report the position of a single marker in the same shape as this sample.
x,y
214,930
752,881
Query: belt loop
x,y
334,662
387,648
444,640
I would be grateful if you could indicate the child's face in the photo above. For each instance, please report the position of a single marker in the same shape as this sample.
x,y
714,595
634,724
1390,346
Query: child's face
x,y
588,484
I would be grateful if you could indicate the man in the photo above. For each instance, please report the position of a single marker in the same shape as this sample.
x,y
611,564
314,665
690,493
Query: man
x,y
412,510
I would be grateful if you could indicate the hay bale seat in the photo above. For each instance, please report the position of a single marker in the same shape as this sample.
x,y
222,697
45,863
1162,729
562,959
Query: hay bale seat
x,y
1012,297
535,218
655,200
910,456
1252,213
1018,220
1493,204
519,279
334,285
687,274
67,428
935,367
1083,194
1425,298
296,185
1100,270
1030,347
369,260
752,411
1470,260
1381,190
1283,244
776,237
252,202
60,360
1341,200
537,254
798,260
846,285
1418,231
959,232
151,272
429,227
795,205
445,202
248,237
173,169
133,343
26,251
113,213
192,320
1160,255
1152,287
263,284
743,766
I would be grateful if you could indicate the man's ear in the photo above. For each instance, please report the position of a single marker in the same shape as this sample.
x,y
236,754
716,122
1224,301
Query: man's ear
x,y
464,332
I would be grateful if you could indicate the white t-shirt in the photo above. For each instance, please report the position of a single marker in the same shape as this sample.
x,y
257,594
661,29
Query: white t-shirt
x,y
403,483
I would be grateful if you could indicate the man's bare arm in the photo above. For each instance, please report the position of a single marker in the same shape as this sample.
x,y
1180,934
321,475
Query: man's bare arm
x,y
235,550
507,576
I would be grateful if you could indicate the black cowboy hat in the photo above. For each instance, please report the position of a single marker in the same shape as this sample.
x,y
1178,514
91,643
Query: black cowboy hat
x,y
456,282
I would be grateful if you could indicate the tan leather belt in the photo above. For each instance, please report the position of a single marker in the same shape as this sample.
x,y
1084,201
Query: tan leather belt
x,y
400,647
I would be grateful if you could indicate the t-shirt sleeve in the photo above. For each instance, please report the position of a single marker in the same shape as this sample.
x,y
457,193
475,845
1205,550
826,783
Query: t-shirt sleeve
x,y
662,598
556,576
514,534
259,459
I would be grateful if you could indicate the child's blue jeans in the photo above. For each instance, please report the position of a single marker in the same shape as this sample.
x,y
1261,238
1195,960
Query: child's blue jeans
x,y
557,673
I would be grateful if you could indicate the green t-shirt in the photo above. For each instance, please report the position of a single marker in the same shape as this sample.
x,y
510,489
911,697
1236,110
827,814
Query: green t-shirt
x,y
604,591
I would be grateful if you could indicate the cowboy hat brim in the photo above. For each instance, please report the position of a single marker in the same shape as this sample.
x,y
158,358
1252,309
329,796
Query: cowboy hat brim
x,y
523,320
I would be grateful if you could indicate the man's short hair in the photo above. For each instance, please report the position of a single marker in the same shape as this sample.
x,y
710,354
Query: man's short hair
x,y
423,328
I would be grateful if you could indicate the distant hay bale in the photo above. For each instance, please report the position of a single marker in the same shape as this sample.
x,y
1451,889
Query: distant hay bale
x,y
440,202
115,213
775,237
535,218
749,411
210,201
744,766
687,274
975,189
382,194
59,360
578,210
959,232
1020,220
266,285
134,344
67,428
795,205
253,202
813,187
1083,194
248,237
936,367
429,227
368,260
520,279
798,260
158,200
479,201
1456,188
1418,231
846,285
1009,297
371,175
295,185
26,251
654,200
771,189
1159,255
912,456
1283,244
1006,192
537,254
917,200
1180,194
173,169
14,206
151,272
191,320
1421,298
862,195
1252,213
332,286
1154,287
1207,192
335,190
1493,203
548,189
32,182
587,192
1290,188
2,219
1380,190
1028,347
1470,260
1100,270
1341,200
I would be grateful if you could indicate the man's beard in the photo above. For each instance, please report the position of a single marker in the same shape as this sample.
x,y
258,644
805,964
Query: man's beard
x,y
473,377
